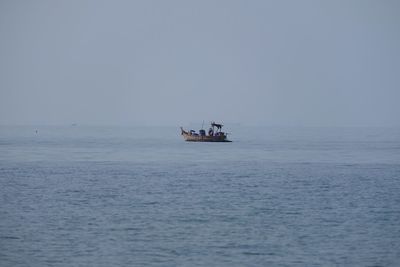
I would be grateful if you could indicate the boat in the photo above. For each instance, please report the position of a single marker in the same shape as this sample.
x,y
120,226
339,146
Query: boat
x,y
215,134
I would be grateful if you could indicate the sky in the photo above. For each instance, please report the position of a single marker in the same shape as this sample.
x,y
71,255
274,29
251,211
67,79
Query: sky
x,y
273,63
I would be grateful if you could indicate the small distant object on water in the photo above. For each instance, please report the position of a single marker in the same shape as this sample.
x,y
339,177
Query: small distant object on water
x,y
36,131
74,124
215,134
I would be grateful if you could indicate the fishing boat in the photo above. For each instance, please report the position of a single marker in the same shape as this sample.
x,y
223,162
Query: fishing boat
x,y
215,134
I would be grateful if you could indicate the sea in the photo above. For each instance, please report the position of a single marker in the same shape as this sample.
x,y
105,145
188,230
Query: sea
x,y
141,196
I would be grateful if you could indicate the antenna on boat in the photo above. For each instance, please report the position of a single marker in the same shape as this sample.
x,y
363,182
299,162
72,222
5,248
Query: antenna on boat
x,y
202,125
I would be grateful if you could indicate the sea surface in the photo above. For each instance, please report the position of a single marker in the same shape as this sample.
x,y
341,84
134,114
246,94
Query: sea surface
x,y
141,196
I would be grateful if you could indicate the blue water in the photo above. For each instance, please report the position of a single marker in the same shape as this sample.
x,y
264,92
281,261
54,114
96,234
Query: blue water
x,y
119,196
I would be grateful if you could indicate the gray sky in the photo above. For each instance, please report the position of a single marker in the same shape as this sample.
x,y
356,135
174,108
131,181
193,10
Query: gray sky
x,y
309,63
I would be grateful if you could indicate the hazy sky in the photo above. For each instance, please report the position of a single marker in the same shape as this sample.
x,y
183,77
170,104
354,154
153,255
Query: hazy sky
x,y
311,63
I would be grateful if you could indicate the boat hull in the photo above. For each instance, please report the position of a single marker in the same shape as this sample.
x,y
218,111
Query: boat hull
x,y
199,138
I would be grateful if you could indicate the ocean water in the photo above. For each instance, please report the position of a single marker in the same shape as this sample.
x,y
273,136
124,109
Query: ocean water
x,y
120,196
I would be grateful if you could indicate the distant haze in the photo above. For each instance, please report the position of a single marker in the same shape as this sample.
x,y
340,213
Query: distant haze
x,y
307,63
